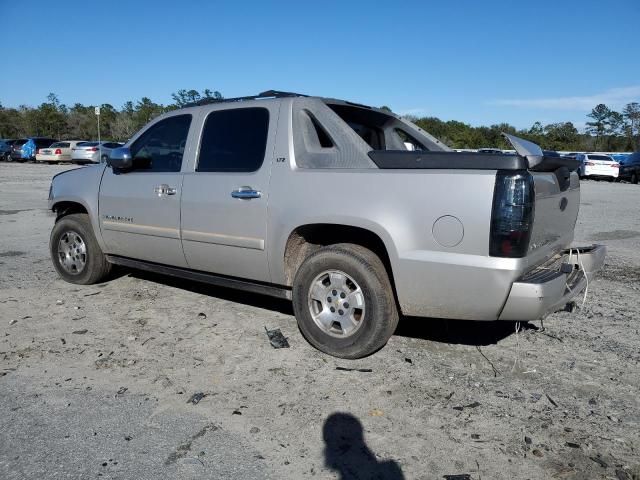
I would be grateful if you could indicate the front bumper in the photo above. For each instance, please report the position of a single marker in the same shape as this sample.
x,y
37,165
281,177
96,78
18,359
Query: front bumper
x,y
551,286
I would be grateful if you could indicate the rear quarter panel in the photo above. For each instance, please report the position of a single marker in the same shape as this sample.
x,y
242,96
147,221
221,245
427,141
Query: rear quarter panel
x,y
401,207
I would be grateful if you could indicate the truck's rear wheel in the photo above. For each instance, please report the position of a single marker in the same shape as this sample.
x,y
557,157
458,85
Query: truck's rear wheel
x,y
634,178
343,301
75,252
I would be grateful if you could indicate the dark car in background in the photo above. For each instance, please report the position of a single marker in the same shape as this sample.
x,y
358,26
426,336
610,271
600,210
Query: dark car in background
x,y
630,168
5,147
16,149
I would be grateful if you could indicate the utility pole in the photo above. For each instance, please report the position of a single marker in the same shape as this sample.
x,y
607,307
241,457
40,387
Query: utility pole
x,y
99,144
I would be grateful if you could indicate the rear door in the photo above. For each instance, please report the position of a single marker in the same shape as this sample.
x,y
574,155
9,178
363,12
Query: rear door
x,y
140,208
224,200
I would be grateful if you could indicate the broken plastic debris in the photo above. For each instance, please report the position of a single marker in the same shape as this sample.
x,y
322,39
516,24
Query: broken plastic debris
x,y
553,402
471,405
196,397
80,332
276,338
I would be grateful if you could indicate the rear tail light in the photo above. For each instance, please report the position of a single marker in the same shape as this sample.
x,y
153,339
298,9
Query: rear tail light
x,y
93,149
57,152
589,164
615,165
512,214
37,151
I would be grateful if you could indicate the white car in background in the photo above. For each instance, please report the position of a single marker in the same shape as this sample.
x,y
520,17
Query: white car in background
x,y
594,165
58,152
93,152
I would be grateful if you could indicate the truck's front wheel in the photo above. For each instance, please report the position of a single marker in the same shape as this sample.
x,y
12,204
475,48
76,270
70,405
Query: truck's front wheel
x,y
343,301
75,252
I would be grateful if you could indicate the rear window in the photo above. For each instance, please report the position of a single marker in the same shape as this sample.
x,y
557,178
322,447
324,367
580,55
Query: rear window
x,y
60,145
368,124
599,157
88,144
234,140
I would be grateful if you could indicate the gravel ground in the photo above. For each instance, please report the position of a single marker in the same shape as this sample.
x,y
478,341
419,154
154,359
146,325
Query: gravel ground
x,y
95,381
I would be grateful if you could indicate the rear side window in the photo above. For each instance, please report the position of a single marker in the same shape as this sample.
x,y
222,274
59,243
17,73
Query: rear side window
x,y
599,157
234,140
161,147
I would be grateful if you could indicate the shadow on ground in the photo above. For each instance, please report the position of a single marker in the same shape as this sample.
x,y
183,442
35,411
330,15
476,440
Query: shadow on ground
x,y
463,332
347,454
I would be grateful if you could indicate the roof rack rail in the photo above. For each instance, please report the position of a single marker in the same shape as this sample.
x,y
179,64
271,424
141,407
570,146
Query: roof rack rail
x,y
265,94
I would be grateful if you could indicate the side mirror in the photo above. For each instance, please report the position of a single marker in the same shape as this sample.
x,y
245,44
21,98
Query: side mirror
x,y
120,158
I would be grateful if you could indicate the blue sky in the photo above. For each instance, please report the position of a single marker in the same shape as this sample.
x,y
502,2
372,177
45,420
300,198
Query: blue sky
x,y
480,62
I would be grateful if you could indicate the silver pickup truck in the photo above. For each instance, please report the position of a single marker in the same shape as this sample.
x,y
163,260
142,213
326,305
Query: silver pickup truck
x,y
351,212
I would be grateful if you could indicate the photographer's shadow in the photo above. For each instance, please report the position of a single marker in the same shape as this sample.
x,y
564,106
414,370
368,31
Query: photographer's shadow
x,y
347,453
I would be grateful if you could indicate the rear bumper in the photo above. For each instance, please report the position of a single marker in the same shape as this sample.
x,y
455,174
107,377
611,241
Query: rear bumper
x,y
52,158
548,288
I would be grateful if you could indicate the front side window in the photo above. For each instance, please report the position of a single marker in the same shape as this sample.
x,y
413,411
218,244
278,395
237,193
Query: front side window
x,y
161,147
234,140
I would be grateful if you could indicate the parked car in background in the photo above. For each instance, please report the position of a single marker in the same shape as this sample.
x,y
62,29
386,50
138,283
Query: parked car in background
x,y
619,157
58,152
5,148
598,166
630,168
16,150
93,152
17,155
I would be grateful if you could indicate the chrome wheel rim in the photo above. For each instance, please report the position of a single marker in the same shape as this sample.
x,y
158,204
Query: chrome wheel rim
x,y
72,253
336,304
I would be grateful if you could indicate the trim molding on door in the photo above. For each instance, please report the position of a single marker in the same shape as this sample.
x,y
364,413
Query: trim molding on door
x,y
141,229
220,239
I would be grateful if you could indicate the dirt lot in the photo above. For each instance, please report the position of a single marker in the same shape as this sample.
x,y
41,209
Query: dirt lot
x,y
95,381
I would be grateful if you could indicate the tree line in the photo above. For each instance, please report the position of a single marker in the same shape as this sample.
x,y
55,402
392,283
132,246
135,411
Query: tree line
x,y
57,120
606,130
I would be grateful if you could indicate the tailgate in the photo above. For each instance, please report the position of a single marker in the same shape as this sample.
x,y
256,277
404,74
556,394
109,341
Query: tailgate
x,y
557,199
557,202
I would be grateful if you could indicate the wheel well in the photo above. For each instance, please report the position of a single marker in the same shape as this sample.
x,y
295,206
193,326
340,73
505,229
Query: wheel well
x,y
63,209
306,239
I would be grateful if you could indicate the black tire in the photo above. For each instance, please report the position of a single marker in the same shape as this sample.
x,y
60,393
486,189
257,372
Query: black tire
x,y
367,270
96,267
634,178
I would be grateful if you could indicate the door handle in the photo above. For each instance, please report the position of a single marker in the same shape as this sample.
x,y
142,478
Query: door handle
x,y
246,193
164,189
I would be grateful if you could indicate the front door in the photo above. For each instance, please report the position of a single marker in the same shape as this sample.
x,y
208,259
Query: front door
x,y
140,208
224,201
